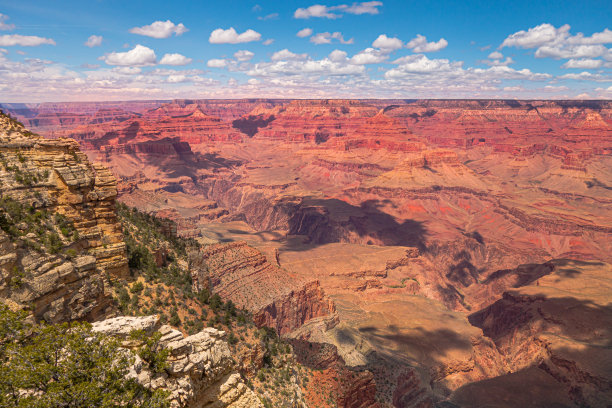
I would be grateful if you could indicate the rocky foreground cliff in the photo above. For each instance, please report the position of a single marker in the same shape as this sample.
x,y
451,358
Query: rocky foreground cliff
x,y
61,246
60,237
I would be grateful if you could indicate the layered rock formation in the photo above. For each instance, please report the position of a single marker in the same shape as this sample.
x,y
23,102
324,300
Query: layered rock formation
x,y
56,264
559,322
243,275
200,371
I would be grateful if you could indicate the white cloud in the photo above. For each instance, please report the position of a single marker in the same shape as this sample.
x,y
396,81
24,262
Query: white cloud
x,y
558,43
230,36
127,70
302,69
583,63
217,63
94,41
550,35
333,12
369,56
137,56
272,16
304,32
366,7
175,79
286,55
160,29
3,25
175,59
243,55
504,63
587,76
23,40
388,43
420,44
337,56
268,41
316,10
419,64
563,51
326,38
536,36
496,55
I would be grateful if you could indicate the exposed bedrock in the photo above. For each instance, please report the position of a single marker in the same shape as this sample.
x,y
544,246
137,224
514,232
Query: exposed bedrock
x,y
53,180
277,298
560,323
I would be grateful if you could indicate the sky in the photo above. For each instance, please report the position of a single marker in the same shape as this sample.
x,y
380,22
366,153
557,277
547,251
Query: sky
x,y
97,50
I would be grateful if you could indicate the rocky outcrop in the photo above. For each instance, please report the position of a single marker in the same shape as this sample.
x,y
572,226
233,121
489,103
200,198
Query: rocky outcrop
x,y
559,323
200,372
60,237
242,274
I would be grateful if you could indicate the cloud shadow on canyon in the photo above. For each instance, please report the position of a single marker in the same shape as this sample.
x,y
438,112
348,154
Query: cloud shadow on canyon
x,y
332,220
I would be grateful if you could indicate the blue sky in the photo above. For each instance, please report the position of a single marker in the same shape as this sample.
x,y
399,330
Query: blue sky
x,y
110,50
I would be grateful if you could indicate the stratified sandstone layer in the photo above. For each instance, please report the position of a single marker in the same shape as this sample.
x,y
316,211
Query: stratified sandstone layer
x,y
243,275
200,373
53,176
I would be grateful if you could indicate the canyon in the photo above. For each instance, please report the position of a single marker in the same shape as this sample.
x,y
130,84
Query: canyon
x,y
421,252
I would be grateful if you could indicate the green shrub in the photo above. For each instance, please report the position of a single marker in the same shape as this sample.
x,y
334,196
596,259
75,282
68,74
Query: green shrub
x,y
66,365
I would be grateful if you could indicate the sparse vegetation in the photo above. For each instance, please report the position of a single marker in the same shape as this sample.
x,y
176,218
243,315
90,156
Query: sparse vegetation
x,y
67,365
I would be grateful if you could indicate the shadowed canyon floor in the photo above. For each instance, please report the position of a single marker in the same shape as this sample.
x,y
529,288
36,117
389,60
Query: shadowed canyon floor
x,y
451,252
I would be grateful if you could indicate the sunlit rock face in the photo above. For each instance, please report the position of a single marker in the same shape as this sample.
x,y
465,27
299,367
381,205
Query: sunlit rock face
x,y
51,179
200,373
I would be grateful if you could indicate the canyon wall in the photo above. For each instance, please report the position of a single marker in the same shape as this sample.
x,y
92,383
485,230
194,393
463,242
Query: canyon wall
x,y
41,177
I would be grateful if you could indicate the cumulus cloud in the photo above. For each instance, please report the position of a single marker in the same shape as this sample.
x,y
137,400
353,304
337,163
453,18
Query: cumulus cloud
x,y
333,12
419,64
304,32
302,69
583,63
445,73
420,44
558,43
243,55
23,40
369,56
338,56
217,63
230,36
175,59
495,60
4,25
160,29
587,76
536,36
127,70
564,51
137,56
94,41
499,62
268,41
326,38
286,55
387,43
367,7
